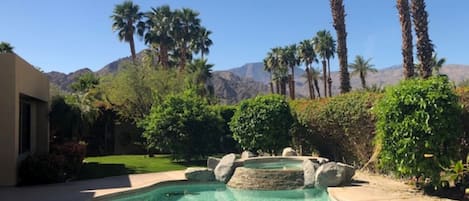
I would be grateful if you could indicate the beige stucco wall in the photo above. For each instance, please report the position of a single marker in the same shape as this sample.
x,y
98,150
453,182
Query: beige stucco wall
x,y
18,78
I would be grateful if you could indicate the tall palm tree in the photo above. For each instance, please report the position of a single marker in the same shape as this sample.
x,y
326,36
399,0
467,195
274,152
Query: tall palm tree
x,y
424,44
127,18
202,42
361,67
269,68
407,47
159,23
291,60
338,14
280,69
6,48
324,45
307,55
185,32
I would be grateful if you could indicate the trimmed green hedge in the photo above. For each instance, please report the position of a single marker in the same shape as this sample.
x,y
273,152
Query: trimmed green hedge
x,y
341,127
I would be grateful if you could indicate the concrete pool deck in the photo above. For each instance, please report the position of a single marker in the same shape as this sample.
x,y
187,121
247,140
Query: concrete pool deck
x,y
370,187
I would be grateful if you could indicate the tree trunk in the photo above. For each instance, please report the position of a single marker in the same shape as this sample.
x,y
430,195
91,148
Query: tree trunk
x,y
338,14
362,78
310,86
283,87
292,83
132,49
316,84
406,28
277,86
163,56
182,62
271,83
329,79
424,44
324,76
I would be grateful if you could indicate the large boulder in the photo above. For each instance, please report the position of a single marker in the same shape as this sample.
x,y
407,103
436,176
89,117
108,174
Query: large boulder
x,y
349,173
329,174
289,152
309,169
199,174
247,154
212,162
225,168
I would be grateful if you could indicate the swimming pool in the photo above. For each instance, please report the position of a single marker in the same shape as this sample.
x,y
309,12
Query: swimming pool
x,y
219,192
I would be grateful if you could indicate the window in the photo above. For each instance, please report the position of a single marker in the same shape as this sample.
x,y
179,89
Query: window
x,y
25,127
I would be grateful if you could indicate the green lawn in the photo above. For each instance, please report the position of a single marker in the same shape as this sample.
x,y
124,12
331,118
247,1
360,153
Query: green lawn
x,y
105,166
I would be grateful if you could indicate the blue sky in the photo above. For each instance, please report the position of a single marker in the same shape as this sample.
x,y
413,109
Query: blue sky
x,y
58,35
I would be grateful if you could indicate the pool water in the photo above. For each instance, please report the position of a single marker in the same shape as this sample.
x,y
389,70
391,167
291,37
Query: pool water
x,y
219,192
277,164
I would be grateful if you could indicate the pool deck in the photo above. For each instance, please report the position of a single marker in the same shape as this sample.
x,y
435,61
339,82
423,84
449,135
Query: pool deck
x,y
368,188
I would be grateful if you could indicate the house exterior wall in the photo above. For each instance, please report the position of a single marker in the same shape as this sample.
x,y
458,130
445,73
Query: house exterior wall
x,y
18,79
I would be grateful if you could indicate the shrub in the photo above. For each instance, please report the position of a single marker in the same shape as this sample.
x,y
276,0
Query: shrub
x,y
42,169
463,93
418,127
339,128
182,125
262,123
73,154
227,143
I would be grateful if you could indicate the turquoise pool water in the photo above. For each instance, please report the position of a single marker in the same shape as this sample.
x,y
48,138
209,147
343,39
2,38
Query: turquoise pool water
x,y
276,164
219,192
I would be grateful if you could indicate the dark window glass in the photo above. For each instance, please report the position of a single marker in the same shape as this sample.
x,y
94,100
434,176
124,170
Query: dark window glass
x,y
25,127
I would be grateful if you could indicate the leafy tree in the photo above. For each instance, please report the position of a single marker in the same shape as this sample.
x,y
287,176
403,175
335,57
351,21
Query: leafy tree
x,y
324,44
338,15
182,125
424,44
127,20
407,47
85,82
418,127
262,123
361,67
307,55
5,48
133,90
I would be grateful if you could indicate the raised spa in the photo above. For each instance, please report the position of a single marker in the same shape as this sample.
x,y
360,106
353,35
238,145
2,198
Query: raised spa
x,y
271,173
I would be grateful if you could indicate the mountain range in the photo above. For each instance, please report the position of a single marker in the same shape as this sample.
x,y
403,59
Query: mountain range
x,y
249,80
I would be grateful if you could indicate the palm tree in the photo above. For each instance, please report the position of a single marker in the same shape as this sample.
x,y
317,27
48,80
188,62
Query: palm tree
x,y
437,64
291,60
202,42
424,44
361,67
159,23
185,31
5,48
338,14
407,48
324,44
126,17
200,73
268,67
307,55
280,72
